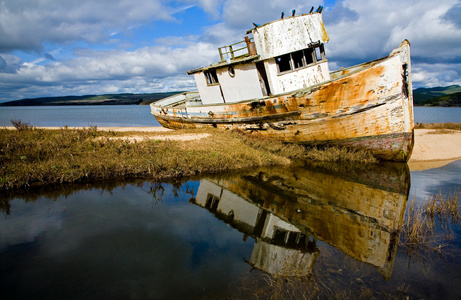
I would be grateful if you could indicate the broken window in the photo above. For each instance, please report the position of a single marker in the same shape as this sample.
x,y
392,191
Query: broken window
x,y
299,59
212,202
211,77
309,56
283,62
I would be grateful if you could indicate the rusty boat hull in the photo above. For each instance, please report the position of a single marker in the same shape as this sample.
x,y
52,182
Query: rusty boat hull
x,y
368,107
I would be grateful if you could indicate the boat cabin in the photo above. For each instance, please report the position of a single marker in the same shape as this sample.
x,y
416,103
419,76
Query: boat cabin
x,y
277,57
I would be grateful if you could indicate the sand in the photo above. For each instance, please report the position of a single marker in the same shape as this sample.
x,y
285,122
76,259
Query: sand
x,y
432,144
435,148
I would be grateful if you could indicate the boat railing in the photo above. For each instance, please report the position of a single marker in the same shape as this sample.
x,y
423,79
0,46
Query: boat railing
x,y
236,50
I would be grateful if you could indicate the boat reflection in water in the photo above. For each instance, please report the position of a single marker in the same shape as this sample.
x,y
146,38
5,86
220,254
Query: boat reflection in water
x,y
287,209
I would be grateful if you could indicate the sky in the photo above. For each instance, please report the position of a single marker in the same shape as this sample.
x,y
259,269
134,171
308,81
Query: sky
x,y
82,47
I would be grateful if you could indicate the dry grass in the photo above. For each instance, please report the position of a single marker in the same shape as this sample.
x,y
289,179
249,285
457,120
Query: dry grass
x,y
428,227
299,152
443,127
20,125
32,157
334,154
41,157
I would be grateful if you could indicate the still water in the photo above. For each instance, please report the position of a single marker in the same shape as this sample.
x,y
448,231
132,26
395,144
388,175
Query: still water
x,y
327,231
139,115
80,116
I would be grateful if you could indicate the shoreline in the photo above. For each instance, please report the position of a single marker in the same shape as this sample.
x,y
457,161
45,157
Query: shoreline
x,y
433,147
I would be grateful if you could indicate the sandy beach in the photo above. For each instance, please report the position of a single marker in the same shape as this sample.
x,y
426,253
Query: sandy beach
x,y
435,148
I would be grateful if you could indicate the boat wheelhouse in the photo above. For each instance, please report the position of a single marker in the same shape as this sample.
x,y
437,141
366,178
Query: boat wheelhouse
x,y
271,62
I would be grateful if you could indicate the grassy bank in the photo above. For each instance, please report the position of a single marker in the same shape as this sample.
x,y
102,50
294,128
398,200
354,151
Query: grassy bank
x,y
449,126
34,157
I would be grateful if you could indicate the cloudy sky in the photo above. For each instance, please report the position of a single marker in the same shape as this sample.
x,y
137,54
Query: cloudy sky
x,y
78,47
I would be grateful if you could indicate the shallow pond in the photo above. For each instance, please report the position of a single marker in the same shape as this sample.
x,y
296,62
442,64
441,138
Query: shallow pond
x,y
327,231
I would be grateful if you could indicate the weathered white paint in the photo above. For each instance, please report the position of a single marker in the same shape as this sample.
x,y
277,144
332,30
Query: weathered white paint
x,y
210,94
282,261
289,35
297,79
273,222
243,86
175,99
244,212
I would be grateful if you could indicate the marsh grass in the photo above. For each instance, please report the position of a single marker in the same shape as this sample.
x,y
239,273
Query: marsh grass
x,y
33,156
443,127
334,154
323,154
427,228
20,125
41,157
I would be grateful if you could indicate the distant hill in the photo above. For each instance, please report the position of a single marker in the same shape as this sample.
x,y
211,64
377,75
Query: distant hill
x,y
438,96
108,99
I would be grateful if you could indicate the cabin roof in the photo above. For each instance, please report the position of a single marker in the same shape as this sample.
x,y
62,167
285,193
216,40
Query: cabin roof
x,y
223,64
249,31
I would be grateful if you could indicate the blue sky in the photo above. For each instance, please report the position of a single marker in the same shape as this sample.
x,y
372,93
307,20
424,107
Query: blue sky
x,y
78,47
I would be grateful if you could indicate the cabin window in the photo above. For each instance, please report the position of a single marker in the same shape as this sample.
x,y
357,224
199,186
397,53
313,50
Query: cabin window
x,y
211,77
309,56
283,62
300,59
319,53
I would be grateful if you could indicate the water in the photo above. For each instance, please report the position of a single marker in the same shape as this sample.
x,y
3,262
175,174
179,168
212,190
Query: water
x,y
437,114
313,231
80,116
140,116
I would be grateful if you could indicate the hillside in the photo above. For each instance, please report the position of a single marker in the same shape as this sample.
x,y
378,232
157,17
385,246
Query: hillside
x,y
438,96
108,99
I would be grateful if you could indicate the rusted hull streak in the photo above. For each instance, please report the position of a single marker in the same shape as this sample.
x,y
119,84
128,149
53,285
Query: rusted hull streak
x,y
371,108
256,119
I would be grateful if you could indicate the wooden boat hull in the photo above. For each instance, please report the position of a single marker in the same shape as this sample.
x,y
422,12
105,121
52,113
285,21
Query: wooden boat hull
x,y
369,106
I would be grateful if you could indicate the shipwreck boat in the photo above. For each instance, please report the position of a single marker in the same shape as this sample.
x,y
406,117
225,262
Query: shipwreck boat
x,y
277,84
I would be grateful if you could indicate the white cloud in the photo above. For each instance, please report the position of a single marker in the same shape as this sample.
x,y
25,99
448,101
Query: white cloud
x,y
27,24
359,30
433,75
382,26
144,70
